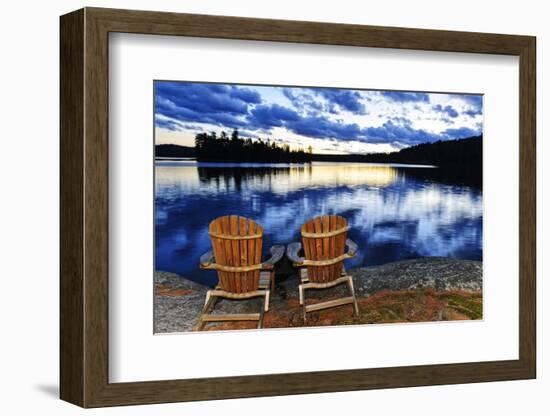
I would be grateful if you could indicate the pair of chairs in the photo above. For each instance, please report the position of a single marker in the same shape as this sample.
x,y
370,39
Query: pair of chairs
x,y
237,257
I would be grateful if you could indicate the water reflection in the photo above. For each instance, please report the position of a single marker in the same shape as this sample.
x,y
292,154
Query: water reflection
x,y
394,212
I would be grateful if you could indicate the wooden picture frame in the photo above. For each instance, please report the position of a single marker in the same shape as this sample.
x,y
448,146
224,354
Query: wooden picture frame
x,y
84,207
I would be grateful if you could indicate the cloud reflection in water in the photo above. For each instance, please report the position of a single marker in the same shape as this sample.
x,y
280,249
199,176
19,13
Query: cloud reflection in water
x,y
394,212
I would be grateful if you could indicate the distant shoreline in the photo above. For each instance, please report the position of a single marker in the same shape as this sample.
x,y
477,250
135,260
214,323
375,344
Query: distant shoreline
x,y
267,164
161,158
460,155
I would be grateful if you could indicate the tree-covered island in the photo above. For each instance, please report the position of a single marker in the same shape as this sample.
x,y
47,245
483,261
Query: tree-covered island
x,y
461,154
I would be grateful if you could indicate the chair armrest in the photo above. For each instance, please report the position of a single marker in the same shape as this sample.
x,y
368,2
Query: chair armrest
x,y
292,251
352,247
207,259
277,253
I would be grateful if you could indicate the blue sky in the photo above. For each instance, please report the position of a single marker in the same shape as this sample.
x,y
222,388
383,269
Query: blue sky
x,y
330,120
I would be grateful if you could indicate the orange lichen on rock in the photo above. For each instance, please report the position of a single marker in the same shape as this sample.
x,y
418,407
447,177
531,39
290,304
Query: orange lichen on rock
x,y
383,307
162,290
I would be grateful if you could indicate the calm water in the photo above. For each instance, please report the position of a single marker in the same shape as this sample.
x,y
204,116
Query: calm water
x,y
395,212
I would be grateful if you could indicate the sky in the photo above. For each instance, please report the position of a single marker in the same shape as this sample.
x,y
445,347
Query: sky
x,y
330,120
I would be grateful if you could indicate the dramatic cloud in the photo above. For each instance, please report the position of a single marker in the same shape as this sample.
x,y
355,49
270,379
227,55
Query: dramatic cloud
x,y
475,103
474,100
323,128
471,112
450,111
328,118
460,133
401,133
397,130
264,116
403,97
345,99
215,104
325,99
167,124
299,98
311,126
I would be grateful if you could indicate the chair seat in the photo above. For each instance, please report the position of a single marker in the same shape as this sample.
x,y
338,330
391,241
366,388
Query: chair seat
x,y
304,276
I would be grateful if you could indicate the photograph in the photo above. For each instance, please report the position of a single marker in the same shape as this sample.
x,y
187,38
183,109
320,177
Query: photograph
x,y
281,206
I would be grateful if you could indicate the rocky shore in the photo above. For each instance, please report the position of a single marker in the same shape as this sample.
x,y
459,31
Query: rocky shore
x,y
419,290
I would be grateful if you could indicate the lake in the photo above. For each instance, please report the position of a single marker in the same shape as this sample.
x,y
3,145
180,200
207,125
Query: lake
x,y
395,212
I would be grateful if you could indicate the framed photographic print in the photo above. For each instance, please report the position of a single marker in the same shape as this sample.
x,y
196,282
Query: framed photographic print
x,y
255,207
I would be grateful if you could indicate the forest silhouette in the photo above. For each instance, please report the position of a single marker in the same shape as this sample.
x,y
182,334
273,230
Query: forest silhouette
x,y
463,153
211,148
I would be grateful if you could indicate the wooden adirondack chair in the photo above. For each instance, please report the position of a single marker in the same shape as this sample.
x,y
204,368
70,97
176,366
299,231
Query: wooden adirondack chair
x,y
237,257
325,247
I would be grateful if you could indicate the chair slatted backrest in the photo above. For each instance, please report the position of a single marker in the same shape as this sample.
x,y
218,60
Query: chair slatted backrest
x,y
324,238
237,246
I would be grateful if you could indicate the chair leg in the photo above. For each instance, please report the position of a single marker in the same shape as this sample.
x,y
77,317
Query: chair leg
x,y
209,303
266,301
355,306
303,302
272,281
206,299
328,304
261,320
